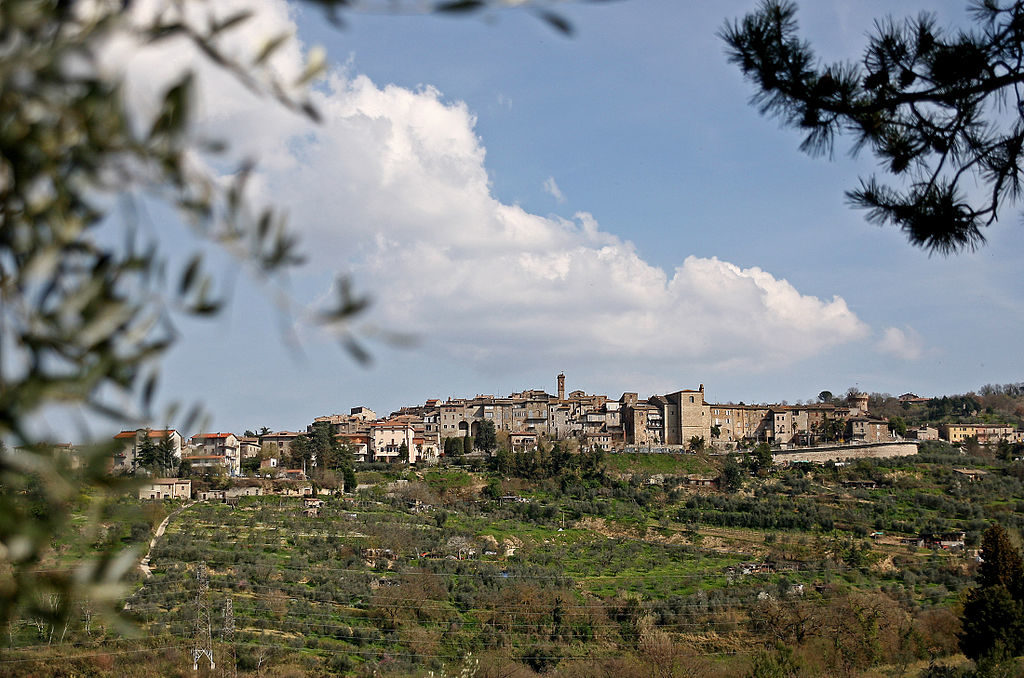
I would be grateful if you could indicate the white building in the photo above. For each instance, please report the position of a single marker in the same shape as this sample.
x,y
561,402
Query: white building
x,y
166,488
210,450
387,438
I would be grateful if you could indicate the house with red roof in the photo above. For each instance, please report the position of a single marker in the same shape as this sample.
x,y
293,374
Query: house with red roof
x,y
358,443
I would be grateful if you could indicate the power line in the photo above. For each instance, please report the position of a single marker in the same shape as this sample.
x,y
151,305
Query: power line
x,y
429,604
504,574
440,656
85,656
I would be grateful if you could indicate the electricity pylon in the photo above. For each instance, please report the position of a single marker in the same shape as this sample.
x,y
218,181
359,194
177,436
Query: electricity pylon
x,y
202,644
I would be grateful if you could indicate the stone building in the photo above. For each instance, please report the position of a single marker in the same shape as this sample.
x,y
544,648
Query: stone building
x,y
282,441
354,422
869,429
166,488
685,415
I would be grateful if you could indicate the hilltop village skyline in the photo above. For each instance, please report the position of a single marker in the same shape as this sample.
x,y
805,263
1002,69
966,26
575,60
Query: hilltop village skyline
x,y
675,421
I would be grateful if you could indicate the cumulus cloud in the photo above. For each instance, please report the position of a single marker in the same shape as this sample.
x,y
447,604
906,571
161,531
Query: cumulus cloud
x,y
905,344
393,187
553,190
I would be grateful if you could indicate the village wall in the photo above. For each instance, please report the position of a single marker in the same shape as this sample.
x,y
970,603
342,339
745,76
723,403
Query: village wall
x,y
847,452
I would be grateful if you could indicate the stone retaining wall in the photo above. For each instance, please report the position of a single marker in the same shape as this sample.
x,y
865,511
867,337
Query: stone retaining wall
x,y
846,452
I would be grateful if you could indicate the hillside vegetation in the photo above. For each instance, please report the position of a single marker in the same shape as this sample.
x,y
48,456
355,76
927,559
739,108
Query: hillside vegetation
x,y
559,564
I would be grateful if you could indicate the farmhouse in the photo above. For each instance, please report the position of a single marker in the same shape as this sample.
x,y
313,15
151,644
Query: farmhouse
x,y
166,488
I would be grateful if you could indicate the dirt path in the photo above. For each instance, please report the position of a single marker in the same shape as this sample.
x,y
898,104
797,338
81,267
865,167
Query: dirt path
x,y
144,563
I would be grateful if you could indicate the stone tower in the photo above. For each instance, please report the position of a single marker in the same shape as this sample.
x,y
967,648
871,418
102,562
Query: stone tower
x,y
561,386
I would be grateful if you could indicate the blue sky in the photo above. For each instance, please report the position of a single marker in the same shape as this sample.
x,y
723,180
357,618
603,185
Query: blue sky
x,y
608,205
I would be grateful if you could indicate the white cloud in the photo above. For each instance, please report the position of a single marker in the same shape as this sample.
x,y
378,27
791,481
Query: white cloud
x,y
905,344
393,187
552,188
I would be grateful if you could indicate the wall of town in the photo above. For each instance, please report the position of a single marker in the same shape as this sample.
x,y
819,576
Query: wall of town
x,y
847,452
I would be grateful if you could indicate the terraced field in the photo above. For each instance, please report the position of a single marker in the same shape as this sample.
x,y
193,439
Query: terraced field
x,y
622,569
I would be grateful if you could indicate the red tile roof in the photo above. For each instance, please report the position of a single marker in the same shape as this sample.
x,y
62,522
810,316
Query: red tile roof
x,y
153,433
391,424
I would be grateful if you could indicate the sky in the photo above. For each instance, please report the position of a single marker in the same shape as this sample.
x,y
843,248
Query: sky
x,y
518,203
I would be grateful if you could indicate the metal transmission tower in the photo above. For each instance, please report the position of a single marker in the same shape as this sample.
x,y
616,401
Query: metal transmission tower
x,y
229,629
203,639
229,619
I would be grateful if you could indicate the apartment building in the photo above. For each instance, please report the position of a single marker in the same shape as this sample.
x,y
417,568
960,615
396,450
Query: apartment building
x,y
249,446
213,450
740,422
986,434
392,441
282,440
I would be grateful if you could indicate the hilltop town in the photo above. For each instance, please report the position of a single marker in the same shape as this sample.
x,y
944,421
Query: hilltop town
x,y
681,421
558,534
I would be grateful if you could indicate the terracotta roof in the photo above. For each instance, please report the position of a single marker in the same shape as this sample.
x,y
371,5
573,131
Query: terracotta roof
x,y
391,424
212,435
403,418
153,433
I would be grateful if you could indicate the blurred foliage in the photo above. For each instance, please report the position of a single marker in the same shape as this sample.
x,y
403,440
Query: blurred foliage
x,y
86,308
